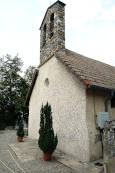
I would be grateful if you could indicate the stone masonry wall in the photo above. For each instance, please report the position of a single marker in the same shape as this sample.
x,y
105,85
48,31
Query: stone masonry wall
x,y
57,41
109,140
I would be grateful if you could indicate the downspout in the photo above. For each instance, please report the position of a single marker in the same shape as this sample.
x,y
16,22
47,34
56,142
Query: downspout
x,y
107,100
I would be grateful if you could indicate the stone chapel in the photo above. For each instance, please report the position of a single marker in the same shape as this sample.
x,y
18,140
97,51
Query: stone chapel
x,y
80,90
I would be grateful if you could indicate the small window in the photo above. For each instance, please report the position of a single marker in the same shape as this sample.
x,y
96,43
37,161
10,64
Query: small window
x,y
51,25
46,82
44,35
113,102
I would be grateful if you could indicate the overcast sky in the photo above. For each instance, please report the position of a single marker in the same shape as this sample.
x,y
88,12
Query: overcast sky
x,y
90,28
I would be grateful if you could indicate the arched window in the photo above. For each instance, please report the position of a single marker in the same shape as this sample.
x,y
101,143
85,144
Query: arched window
x,y
44,35
51,25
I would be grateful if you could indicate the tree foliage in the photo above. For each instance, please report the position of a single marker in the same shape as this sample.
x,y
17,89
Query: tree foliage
x,y
29,74
13,90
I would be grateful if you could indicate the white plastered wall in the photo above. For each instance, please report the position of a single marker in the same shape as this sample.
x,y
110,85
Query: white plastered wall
x,y
67,97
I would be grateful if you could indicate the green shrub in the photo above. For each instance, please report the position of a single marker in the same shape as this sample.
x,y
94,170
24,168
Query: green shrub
x,y
47,140
20,131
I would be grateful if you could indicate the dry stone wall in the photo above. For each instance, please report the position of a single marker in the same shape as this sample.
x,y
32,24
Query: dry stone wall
x,y
109,140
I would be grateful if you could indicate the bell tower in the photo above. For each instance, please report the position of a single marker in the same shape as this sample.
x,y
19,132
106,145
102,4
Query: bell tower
x,y
52,31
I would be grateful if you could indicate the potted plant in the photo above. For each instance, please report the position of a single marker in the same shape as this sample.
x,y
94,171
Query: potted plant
x,y
20,131
47,140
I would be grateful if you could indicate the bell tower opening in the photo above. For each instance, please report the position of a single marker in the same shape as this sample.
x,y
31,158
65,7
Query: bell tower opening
x,y
52,25
44,35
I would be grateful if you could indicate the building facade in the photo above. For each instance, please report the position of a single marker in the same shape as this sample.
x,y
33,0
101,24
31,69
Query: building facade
x,y
78,89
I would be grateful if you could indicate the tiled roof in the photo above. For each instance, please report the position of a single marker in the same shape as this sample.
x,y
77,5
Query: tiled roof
x,y
88,70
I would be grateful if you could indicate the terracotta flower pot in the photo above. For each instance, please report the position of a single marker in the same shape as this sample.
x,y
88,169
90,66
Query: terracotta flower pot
x,y
47,156
20,139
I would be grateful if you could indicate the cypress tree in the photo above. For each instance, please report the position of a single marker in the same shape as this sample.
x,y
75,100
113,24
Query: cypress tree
x,y
47,140
20,131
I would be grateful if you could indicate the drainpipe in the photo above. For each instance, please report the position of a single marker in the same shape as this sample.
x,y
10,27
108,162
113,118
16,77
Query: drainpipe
x,y
107,100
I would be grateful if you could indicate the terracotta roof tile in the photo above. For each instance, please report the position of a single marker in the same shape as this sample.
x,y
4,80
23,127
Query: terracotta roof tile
x,y
87,69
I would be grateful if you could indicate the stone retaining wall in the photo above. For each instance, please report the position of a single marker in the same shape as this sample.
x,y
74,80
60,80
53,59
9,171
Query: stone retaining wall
x,y
109,140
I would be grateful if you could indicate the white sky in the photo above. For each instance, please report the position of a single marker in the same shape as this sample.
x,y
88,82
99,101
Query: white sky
x,y
90,28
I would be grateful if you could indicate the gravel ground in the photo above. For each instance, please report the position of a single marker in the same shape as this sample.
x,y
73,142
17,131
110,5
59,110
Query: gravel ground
x,y
9,163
